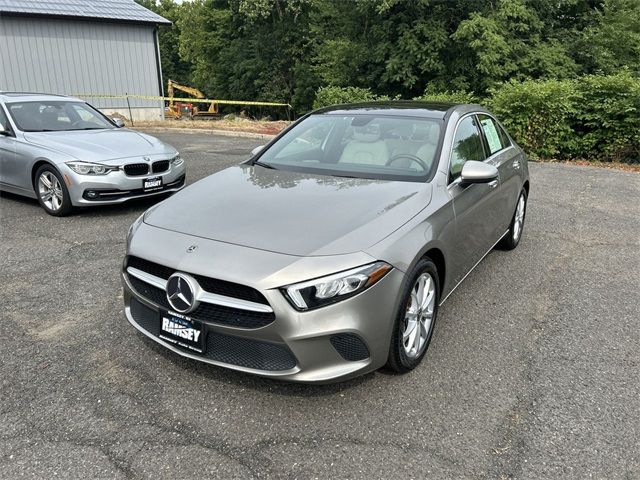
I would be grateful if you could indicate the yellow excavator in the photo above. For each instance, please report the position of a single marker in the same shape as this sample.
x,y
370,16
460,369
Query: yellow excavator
x,y
180,109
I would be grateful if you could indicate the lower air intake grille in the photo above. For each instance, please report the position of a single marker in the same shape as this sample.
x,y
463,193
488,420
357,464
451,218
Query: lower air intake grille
x,y
135,169
249,353
350,346
145,317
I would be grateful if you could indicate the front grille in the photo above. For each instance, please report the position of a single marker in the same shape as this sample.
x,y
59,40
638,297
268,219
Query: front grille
x,y
161,166
211,285
249,353
350,346
243,352
135,169
206,312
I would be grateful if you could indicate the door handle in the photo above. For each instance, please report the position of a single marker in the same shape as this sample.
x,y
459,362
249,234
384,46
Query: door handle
x,y
516,164
493,184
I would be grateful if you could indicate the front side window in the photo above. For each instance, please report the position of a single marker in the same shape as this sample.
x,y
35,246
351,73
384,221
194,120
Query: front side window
x,y
359,145
493,133
56,116
467,145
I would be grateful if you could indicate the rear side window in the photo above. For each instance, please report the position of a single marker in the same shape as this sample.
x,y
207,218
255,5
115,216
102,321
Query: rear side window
x,y
467,145
494,135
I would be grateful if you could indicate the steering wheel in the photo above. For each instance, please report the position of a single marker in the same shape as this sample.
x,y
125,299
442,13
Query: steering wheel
x,y
411,157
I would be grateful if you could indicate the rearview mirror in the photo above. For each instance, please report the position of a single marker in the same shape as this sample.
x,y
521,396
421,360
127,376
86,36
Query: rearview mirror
x,y
118,121
256,150
477,172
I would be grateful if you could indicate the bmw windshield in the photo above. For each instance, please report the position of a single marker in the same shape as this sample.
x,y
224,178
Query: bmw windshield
x,y
57,116
361,146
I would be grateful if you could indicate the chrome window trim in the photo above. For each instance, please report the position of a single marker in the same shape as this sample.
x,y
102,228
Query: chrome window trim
x,y
202,295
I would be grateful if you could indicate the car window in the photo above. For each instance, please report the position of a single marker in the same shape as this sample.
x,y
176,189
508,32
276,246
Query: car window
x,y
3,120
56,115
360,146
467,145
493,134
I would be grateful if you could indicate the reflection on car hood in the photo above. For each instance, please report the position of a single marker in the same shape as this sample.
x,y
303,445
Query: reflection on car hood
x,y
98,145
292,213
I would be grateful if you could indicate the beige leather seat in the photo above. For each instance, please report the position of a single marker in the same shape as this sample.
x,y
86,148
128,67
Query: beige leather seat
x,y
422,144
366,148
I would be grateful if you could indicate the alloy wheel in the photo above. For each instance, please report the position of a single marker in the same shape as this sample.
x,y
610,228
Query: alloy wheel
x,y
50,191
518,220
419,316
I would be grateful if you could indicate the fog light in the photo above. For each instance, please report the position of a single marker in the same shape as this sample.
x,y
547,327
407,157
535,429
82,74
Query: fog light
x,y
91,194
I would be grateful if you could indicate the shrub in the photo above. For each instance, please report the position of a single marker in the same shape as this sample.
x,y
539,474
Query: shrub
x,y
456,96
538,114
336,95
607,121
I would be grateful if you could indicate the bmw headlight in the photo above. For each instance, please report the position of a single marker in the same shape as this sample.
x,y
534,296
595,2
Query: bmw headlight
x,y
334,288
88,168
177,160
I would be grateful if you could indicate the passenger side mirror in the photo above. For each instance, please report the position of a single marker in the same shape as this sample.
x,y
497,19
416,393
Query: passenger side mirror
x,y
256,150
477,172
118,121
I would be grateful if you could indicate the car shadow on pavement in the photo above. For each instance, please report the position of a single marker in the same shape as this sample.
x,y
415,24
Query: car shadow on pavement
x,y
219,375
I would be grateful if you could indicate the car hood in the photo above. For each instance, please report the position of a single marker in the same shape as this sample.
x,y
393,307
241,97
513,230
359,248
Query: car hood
x,y
291,213
99,145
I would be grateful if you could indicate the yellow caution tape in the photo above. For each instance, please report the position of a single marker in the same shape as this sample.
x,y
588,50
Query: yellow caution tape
x,y
186,100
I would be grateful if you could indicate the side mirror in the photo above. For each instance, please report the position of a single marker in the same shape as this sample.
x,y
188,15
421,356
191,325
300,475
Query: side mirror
x,y
256,150
118,121
2,130
477,172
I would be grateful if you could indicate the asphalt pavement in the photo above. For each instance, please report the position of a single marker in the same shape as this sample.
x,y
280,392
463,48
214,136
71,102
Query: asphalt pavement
x,y
533,372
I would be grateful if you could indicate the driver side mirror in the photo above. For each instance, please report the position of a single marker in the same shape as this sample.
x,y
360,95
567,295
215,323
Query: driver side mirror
x,y
477,172
118,122
256,150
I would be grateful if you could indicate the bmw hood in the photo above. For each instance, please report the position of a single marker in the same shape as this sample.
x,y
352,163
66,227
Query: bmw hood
x,y
99,145
291,213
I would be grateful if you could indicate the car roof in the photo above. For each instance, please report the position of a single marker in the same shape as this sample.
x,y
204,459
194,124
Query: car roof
x,y
34,97
402,108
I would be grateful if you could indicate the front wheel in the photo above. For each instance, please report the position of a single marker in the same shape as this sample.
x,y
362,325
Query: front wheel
x,y
512,238
416,318
52,192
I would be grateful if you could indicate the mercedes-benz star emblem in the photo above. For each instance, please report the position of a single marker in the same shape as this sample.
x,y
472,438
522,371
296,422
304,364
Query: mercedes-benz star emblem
x,y
181,292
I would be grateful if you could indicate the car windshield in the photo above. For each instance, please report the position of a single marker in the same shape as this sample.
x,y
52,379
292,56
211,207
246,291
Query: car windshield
x,y
361,146
56,116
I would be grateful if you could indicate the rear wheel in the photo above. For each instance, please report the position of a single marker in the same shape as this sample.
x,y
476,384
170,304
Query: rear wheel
x,y
416,318
52,192
512,238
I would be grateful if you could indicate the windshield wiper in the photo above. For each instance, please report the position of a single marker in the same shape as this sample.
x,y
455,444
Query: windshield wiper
x,y
265,165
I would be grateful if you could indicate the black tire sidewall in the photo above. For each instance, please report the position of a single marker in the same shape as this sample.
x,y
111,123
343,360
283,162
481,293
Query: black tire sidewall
x,y
66,207
398,359
508,243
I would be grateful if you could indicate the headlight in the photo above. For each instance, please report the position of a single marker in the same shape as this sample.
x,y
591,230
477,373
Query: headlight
x,y
87,168
334,288
177,160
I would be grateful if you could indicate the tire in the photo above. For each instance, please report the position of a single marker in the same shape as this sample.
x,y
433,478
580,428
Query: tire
x,y
52,192
513,236
403,356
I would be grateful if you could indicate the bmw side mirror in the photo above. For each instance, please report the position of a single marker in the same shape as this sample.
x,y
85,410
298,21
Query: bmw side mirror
x,y
256,150
477,172
118,121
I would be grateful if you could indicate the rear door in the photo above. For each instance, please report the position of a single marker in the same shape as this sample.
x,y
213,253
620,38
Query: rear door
x,y
508,161
473,204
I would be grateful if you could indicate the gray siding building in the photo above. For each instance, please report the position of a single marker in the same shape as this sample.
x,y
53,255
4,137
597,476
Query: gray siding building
x,y
87,48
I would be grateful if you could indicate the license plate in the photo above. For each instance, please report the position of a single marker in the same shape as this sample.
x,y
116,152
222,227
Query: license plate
x,y
152,184
182,331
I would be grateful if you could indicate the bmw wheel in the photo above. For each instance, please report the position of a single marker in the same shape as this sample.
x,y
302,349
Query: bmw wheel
x,y
52,192
416,318
513,236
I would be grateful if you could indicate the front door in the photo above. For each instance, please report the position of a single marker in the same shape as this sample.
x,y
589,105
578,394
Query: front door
x,y
7,149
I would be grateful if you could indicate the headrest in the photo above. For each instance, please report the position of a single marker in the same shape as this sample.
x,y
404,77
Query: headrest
x,y
426,132
366,134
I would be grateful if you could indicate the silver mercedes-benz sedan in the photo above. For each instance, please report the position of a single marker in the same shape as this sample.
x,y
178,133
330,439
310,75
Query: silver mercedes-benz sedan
x,y
67,154
327,254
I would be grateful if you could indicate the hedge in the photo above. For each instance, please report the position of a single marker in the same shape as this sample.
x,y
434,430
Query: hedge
x,y
593,117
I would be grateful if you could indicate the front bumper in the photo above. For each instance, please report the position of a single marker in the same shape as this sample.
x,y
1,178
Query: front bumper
x,y
117,187
332,343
